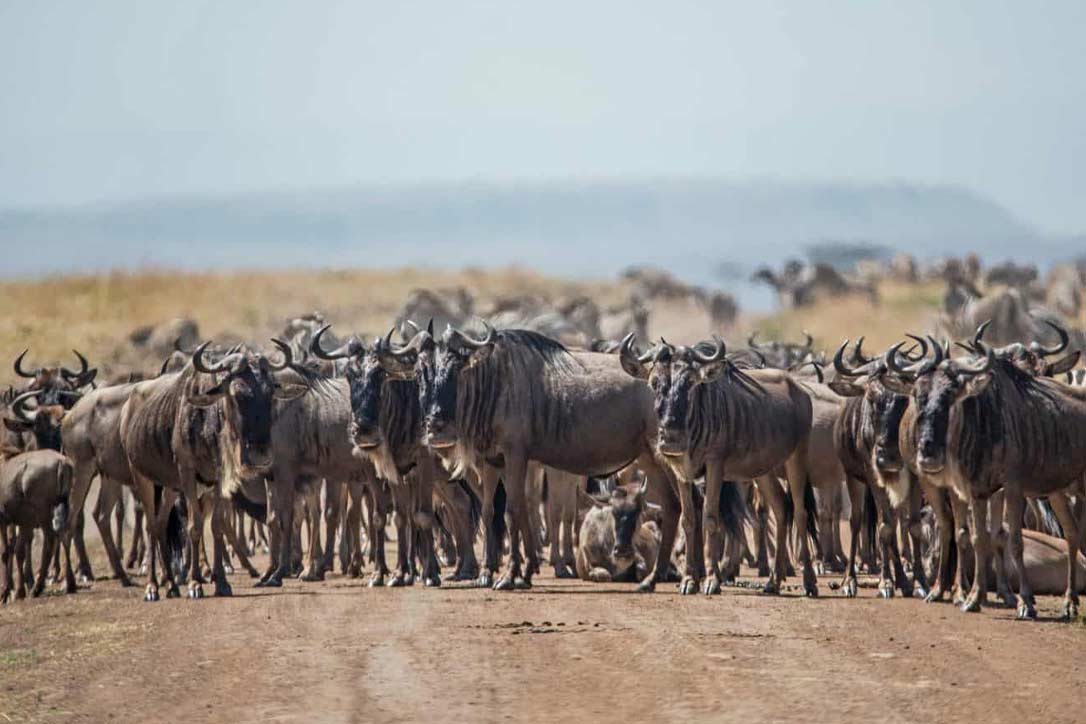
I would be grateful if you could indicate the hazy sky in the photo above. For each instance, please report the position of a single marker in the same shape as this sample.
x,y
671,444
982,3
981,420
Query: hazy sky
x,y
112,100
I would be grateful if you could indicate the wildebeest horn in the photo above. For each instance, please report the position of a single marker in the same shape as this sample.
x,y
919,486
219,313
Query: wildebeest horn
x,y
923,348
980,332
626,349
490,338
198,361
165,364
19,367
1061,346
430,327
17,406
750,340
762,362
989,359
858,352
348,349
288,355
839,362
891,360
718,355
810,339
925,365
68,374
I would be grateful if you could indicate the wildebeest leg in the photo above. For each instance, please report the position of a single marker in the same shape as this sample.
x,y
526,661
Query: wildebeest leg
x,y
352,525
109,496
232,537
965,547
195,530
568,524
770,490
7,553
690,520
945,529
553,515
915,530
219,510
314,565
978,594
661,488
796,470
138,550
492,542
458,503
996,535
332,495
1015,508
891,572
761,533
401,511
86,573
280,496
23,538
514,477
1061,506
47,547
379,525
711,525
856,491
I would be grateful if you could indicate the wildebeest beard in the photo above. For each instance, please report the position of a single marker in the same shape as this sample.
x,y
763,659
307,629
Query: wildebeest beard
x,y
512,380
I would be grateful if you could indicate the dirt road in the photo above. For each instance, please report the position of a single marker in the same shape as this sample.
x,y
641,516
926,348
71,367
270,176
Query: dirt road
x,y
340,652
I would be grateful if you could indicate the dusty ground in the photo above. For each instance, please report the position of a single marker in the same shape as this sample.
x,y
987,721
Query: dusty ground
x,y
338,651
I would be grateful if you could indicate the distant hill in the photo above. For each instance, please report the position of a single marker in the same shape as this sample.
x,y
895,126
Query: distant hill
x,y
586,229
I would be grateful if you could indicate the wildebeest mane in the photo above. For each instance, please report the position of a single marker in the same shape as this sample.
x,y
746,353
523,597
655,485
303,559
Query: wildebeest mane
x,y
513,374
732,395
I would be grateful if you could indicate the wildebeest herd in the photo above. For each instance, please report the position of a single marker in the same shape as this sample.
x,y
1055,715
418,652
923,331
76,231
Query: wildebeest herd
x,y
641,464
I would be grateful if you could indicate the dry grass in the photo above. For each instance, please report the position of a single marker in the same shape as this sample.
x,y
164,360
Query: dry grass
x,y
95,314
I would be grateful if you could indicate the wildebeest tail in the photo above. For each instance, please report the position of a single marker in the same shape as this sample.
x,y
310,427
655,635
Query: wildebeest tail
x,y
732,508
256,510
175,539
789,508
498,526
1049,522
871,520
811,505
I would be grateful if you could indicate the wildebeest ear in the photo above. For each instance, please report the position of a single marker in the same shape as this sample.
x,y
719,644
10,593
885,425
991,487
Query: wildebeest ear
x,y
896,385
1062,365
289,391
845,388
653,512
209,397
709,372
16,425
478,356
633,368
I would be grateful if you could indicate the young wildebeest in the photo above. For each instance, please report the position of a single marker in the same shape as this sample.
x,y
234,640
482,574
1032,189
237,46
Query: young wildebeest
x,y
495,404
34,489
619,537
980,426
386,429
727,424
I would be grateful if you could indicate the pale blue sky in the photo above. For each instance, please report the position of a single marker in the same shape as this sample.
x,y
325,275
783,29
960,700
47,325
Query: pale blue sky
x,y
114,100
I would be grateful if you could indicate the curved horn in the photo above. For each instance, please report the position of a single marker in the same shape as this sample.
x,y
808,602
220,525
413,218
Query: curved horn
x,y
84,367
750,340
343,352
892,363
1061,346
17,406
198,361
989,360
927,365
810,339
165,364
490,338
718,355
839,362
408,323
288,355
626,349
19,367
923,348
858,352
980,331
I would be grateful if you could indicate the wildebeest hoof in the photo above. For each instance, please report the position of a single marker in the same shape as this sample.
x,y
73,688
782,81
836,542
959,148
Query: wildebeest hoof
x,y
354,572
505,583
84,578
1008,600
712,586
376,580
764,571
646,586
934,595
886,593
849,588
810,591
688,587
196,590
313,577
921,593
771,588
971,605
228,569
397,581
1070,610
563,572
432,582
409,579
486,580
523,584
143,570
151,594
223,589
819,568
1026,612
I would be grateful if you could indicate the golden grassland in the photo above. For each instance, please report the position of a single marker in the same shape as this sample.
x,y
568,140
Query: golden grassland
x,y
95,314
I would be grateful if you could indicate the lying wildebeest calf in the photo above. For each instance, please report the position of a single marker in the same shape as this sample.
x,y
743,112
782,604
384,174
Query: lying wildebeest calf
x,y
619,537
34,489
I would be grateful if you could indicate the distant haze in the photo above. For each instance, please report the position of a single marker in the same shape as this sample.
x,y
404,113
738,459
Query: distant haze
x,y
980,104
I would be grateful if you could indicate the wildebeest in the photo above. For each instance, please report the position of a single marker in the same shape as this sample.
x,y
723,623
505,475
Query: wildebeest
x,y
34,491
619,537
985,425
866,438
495,404
724,423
